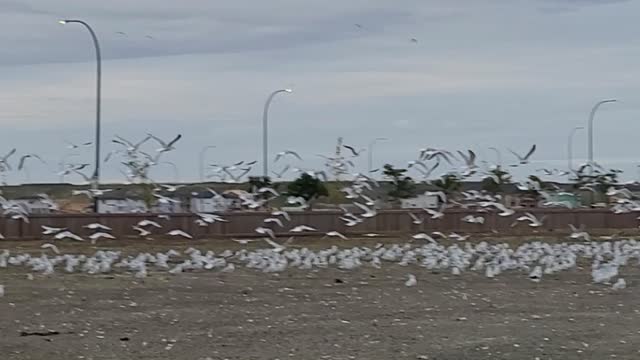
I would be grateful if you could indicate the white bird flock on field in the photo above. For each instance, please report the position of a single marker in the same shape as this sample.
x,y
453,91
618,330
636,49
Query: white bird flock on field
x,y
534,260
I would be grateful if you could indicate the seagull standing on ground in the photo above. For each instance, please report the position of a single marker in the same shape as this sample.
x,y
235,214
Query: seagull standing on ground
x,y
411,281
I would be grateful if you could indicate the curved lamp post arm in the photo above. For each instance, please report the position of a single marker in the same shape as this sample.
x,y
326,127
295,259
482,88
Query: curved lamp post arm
x,y
591,116
265,135
96,44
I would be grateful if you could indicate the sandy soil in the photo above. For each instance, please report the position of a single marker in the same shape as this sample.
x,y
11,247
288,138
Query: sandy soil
x,y
323,314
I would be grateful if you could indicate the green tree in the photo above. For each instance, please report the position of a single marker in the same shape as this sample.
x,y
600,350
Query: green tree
x,y
596,180
448,184
533,186
147,190
497,177
307,187
403,185
257,182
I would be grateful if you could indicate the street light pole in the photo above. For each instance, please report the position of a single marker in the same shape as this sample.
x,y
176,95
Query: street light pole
x,y
591,116
176,174
370,159
570,146
201,160
265,140
96,173
498,156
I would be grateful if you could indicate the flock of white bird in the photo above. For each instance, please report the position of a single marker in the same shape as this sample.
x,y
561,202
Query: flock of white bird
x,y
534,260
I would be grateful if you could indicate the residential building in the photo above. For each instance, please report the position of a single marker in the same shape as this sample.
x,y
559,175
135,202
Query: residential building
x,y
426,201
117,203
207,202
35,204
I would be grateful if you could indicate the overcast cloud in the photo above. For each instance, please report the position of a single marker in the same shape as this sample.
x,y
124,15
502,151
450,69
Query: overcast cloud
x,y
483,73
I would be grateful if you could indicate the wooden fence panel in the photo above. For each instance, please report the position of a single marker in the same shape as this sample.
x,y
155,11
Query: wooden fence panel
x,y
386,222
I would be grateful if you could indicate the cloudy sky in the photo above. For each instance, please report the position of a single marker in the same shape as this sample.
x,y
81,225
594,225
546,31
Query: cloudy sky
x,y
504,73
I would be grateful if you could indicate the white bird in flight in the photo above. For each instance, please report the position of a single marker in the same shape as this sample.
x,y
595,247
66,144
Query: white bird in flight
x,y
302,228
97,226
4,161
415,219
423,236
281,172
178,232
336,234
142,232
166,146
473,219
269,190
23,158
579,233
458,237
211,218
71,145
434,213
100,235
50,246
146,222
353,150
265,231
532,219
286,152
368,212
281,213
273,220
48,230
130,146
244,241
276,247
68,235
522,160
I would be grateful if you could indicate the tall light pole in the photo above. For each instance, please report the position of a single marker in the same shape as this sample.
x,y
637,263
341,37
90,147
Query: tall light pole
x,y
498,156
370,159
265,140
591,116
176,174
570,146
201,160
96,173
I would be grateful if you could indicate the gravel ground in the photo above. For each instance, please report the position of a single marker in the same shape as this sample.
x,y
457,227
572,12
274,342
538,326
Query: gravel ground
x,y
322,314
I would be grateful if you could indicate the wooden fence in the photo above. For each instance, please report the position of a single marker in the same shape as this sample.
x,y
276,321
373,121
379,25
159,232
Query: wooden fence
x,y
389,222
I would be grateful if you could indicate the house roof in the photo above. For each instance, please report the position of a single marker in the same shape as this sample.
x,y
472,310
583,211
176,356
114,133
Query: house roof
x,y
27,197
121,194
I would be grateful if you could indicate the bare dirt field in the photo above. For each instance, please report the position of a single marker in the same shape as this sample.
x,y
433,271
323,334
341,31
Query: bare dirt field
x,y
365,313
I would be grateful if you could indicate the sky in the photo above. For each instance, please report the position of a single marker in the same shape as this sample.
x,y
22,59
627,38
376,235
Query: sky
x,y
483,73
